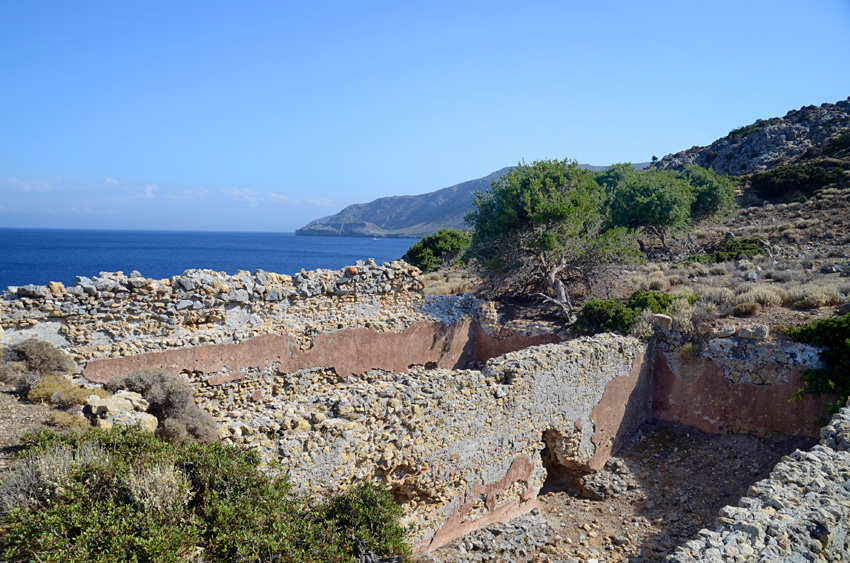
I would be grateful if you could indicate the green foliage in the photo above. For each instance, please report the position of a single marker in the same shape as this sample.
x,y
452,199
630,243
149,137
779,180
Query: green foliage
x,y
442,248
789,181
839,146
542,222
713,194
599,315
832,336
172,402
610,178
731,249
367,512
652,198
653,300
124,495
39,357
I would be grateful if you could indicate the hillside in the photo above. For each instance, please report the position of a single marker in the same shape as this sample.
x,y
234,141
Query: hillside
x,y
807,133
412,216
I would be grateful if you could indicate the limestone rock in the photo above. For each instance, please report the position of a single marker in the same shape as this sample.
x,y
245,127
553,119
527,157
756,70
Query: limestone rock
x,y
754,332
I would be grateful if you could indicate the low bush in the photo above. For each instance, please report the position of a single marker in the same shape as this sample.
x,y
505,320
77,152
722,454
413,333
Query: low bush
x,y
125,495
603,316
785,182
62,392
731,249
832,336
839,146
442,248
11,371
66,422
747,309
40,357
812,295
652,300
172,402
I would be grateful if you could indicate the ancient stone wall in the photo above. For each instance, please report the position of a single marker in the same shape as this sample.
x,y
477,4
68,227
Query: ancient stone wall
x,y
801,513
736,384
459,449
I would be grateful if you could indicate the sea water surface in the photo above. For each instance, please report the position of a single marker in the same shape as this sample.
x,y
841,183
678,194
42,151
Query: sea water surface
x,y
38,256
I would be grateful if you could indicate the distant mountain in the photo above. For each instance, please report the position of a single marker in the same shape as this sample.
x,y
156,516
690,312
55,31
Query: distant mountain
x,y
807,133
410,216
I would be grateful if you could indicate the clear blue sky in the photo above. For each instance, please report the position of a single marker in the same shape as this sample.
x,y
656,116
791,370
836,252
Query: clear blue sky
x,y
261,116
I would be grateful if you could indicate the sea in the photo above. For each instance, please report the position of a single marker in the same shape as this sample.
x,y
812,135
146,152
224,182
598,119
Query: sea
x,y
39,256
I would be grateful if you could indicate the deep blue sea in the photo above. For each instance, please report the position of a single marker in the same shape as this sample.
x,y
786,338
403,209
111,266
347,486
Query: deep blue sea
x,y
39,256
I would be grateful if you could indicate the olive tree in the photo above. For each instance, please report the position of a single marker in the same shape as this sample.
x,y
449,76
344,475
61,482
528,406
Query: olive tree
x,y
541,225
434,251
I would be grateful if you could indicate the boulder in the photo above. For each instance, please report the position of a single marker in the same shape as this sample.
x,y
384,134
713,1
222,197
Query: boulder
x,y
754,332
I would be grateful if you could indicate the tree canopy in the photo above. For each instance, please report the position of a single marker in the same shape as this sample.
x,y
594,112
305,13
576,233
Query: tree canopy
x,y
542,224
442,248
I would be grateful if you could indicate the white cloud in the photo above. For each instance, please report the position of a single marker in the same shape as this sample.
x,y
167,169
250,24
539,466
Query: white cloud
x,y
281,198
114,182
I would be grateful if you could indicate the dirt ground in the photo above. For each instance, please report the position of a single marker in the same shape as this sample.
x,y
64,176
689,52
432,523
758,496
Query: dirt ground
x,y
669,482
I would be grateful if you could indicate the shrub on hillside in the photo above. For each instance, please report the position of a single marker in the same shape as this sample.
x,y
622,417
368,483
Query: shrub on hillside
x,y
731,249
839,146
785,182
599,315
124,495
443,248
172,402
832,336
652,300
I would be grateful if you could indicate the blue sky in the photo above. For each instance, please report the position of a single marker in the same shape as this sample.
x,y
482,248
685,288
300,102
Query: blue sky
x,y
261,116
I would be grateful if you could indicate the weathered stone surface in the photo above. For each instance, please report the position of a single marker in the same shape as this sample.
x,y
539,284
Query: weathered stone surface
x,y
754,332
768,144
123,401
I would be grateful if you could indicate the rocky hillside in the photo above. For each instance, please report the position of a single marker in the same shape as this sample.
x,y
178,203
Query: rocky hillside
x,y
412,216
804,134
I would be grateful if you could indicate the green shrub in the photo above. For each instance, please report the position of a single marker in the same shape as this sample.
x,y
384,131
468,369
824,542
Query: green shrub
x,y
354,514
793,180
138,498
731,249
832,336
442,248
603,316
652,300
171,399
838,146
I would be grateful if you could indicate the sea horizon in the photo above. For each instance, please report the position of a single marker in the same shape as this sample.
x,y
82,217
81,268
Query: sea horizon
x,y
41,255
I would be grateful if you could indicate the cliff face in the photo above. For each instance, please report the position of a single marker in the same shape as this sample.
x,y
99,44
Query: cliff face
x,y
802,134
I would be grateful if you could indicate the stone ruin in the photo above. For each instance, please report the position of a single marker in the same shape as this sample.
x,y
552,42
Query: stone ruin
x,y
354,374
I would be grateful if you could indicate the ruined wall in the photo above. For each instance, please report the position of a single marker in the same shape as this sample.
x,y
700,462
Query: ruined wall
x,y
459,449
736,384
800,513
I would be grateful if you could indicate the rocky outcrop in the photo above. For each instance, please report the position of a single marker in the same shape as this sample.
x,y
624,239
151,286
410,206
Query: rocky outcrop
x,y
769,143
800,514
